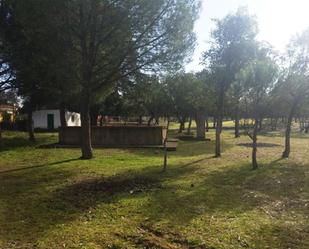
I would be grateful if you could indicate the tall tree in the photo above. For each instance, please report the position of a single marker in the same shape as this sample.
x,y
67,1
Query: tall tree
x,y
293,89
259,77
114,39
179,87
232,46
37,53
201,100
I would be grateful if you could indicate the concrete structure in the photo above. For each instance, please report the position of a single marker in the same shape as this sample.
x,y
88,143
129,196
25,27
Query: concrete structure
x,y
50,119
116,136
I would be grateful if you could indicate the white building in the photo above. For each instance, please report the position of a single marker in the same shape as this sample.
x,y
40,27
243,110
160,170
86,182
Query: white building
x,y
50,119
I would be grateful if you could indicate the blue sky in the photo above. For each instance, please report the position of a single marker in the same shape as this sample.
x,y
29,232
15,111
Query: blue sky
x,y
278,21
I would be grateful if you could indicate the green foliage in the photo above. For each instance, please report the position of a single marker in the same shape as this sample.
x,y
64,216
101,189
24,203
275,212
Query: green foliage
x,y
37,52
190,93
259,78
292,88
232,45
124,37
147,96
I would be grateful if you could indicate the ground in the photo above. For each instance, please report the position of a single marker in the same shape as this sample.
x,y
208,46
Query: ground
x,y
121,199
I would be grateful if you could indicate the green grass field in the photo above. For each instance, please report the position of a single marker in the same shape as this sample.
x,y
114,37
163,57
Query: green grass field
x,y
121,199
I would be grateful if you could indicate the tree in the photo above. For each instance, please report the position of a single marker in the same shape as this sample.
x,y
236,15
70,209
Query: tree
x,y
179,87
114,39
37,54
7,97
147,96
232,46
6,74
259,77
293,88
201,100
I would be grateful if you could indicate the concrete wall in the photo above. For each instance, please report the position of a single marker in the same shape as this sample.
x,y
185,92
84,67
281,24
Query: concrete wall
x,y
40,118
116,136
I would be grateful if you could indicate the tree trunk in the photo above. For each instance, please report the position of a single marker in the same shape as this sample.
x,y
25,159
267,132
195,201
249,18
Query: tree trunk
x,y
86,147
94,119
182,125
299,121
254,144
307,127
94,114
260,124
63,121
302,124
219,122
237,123
30,126
101,120
157,119
214,123
150,120
165,146
189,126
140,120
274,124
218,137
287,149
207,124
200,126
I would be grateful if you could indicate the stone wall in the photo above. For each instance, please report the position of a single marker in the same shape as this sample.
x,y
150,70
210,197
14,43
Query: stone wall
x,y
116,136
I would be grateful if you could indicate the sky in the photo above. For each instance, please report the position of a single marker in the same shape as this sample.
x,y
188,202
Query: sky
x,y
278,21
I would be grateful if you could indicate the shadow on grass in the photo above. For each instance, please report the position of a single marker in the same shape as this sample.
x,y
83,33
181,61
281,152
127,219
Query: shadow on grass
x,y
174,196
11,141
260,145
281,134
38,166
293,235
186,149
31,208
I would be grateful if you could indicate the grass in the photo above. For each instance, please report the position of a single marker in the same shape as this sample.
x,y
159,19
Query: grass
x,y
226,124
121,199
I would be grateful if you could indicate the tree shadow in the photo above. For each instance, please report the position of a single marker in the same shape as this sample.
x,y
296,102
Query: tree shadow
x,y
177,196
260,145
25,212
281,134
185,149
11,141
31,212
234,192
38,166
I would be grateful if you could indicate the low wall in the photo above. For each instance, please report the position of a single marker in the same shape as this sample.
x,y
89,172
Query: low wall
x,y
116,136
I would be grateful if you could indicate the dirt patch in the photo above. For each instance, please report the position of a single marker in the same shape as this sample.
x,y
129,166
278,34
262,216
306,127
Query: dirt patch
x,y
150,237
86,193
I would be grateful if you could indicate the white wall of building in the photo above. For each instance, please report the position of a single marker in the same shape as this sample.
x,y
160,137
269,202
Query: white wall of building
x,y
72,118
40,118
